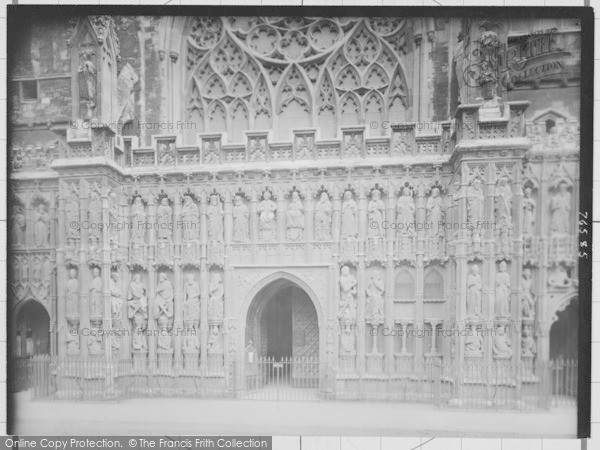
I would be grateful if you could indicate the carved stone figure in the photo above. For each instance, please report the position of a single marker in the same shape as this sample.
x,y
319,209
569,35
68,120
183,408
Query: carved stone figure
x,y
18,227
474,285
528,345
163,302
215,298
94,341
136,299
72,295
241,232
347,296
190,219
295,218
527,296
165,154
72,217
435,225
529,206
41,229
376,215
215,219
266,218
72,341
214,340
95,218
405,207
374,292
116,296
164,339
503,215
191,305
473,342
323,217
138,221
347,341
96,303
87,82
349,216
475,201
191,343
501,343
164,215
560,209
502,292
139,341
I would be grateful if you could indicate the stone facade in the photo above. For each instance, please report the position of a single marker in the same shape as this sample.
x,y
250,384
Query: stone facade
x,y
164,177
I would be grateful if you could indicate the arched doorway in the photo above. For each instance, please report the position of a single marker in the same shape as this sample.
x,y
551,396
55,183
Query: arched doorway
x,y
563,333
32,331
282,333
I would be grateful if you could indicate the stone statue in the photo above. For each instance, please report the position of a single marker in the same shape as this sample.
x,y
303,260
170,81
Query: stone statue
x,y
72,295
136,299
87,82
501,346
374,292
215,298
191,343
323,217
94,341
214,340
347,341
473,342
95,218
250,351
266,218
240,221
215,219
503,215
376,215
163,302
528,345
139,341
138,221
560,209
474,285
347,296
72,217
502,292
116,296
96,303
190,219
435,214
349,216
405,216
164,339
475,201
191,305
41,229
164,215
527,296
72,341
18,227
295,218
528,212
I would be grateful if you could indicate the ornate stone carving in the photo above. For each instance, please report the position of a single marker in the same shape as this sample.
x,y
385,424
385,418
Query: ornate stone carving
x,y
164,215
116,296
374,292
295,218
323,217
87,81
190,220
501,348
503,217
41,230
527,295
405,222
502,292
347,311
474,285
376,215
137,302
436,246
241,229
72,296
473,342
347,341
163,310
529,206
191,304
17,226
215,298
266,219
95,295
560,210
215,219
475,201
95,217
528,345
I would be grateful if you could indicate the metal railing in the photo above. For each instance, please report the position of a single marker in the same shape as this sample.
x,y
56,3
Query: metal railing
x,y
499,385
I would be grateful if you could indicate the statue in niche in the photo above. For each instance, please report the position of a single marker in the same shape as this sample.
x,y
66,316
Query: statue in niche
x,y
41,229
474,285
136,299
95,218
528,298
323,218
164,214
215,219
191,306
96,302
503,292
295,218
191,343
560,209
87,82
166,154
529,206
475,201
72,341
139,341
138,221
559,278
473,342
190,219
215,298
266,218
347,341
72,294
240,221
214,340
95,341
116,296
376,215
501,346
528,345
349,216
163,302
435,225
405,216
374,292
347,296
164,340
72,216
17,232
503,215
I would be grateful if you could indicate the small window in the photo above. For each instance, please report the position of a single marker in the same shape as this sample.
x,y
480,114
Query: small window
x,y
29,90
550,124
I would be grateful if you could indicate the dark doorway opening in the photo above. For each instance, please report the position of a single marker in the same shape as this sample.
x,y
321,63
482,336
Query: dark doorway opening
x,y
563,333
278,324
32,331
